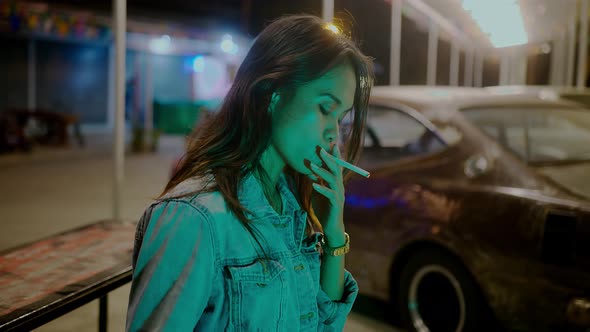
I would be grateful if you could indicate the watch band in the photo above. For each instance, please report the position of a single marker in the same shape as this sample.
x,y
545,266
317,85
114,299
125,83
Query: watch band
x,y
337,251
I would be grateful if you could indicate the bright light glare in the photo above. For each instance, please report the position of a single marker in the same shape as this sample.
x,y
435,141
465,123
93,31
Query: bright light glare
x,y
199,64
501,20
332,28
228,45
160,45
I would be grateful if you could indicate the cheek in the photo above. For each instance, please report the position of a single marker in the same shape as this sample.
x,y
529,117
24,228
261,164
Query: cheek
x,y
307,127
297,139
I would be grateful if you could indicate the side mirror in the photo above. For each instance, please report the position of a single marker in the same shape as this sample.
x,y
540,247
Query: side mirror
x,y
477,165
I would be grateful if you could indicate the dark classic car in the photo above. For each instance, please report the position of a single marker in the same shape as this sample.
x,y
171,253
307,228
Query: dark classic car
x,y
570,93
477,212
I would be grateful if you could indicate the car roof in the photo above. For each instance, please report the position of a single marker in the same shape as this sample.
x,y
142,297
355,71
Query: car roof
x,y
544,91
428,98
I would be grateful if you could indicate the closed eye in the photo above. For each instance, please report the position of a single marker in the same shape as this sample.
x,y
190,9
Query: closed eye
x,y
324,110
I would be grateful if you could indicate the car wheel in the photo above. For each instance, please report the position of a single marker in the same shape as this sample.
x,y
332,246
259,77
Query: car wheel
x,y
437,294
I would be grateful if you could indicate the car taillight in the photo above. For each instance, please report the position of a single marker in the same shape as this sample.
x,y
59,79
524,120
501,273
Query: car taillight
x,y
559,239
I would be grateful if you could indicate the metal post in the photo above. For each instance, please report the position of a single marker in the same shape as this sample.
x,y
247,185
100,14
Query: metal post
x,y
103,313
583,46
443,23
120,8
328,10
478,71
468,75
518,68
32,76
395,43
454,67
432,53
558,62
562,64
553,71
571,49
148,120
504,69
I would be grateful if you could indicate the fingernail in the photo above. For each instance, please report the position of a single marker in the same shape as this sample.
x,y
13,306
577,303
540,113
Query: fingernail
x,y
315,166
322,151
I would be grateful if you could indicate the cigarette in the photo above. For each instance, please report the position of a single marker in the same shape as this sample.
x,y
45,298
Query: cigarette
x,y
351,167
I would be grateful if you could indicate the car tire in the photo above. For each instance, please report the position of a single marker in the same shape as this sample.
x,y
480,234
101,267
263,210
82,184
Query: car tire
x,y
437,294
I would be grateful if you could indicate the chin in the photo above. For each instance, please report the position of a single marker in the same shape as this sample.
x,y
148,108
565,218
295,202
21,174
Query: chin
x,y
302,170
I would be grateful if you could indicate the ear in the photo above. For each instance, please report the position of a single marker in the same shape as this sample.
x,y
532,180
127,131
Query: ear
x,y
274,102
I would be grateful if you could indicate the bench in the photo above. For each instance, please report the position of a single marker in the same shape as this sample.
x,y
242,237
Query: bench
x,y
48,278
53,126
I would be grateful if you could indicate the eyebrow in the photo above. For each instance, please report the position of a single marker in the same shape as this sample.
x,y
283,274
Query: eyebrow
x,y
331,96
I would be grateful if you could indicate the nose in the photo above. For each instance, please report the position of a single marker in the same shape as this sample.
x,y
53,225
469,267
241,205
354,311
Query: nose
x,y
331,136
331,132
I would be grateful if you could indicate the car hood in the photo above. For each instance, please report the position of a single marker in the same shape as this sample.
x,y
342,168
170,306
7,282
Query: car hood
x,y
574,178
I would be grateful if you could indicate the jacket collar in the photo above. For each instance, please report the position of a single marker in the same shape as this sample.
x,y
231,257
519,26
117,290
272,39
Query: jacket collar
x,y
252,197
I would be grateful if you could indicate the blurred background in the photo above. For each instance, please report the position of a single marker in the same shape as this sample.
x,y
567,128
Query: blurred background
x,y
59,54
64,164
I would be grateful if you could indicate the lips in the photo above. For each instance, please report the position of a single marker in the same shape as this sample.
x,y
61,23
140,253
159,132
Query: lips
x,y
316,159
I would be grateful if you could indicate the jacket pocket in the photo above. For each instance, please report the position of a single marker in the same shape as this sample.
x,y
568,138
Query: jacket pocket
x,y
257,295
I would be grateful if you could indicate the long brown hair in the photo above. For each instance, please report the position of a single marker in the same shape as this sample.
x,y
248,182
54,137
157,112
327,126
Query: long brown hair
x,y
289,52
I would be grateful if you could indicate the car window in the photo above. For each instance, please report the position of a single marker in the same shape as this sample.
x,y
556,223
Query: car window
x,y
393,134
537,135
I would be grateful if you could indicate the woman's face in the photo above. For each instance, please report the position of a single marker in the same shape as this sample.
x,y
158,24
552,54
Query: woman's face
x,y
310,119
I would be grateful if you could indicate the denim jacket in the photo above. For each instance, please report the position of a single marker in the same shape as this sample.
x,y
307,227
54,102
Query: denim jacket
x,y
196,267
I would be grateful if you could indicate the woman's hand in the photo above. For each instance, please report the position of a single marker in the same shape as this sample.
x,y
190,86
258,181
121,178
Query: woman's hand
x,y
329,205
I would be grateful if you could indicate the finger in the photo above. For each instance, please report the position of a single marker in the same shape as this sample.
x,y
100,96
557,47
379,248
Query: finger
x,y
326,192
328,159
327,176
313,177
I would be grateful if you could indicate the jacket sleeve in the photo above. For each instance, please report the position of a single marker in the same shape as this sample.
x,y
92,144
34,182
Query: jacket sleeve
x,y
174,270
332,314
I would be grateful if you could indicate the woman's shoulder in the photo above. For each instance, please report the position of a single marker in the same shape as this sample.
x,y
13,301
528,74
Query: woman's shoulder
x,y
190,188
190,205
198,203
199,193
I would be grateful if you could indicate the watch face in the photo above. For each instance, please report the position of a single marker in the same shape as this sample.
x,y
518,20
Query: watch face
x,y
339,251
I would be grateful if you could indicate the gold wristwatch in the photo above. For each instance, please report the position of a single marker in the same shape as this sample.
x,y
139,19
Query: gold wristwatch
x,y
338,251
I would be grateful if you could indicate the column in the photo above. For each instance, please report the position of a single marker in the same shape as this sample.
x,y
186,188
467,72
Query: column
x,y
432,54
395,43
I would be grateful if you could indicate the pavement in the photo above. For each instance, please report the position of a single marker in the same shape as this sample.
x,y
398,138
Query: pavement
x,y
53,190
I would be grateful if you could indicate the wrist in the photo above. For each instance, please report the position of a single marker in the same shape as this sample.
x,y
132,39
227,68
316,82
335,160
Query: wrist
x,y
334,237
330,251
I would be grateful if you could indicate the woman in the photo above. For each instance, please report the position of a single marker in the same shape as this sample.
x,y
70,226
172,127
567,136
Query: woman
x,y
233,243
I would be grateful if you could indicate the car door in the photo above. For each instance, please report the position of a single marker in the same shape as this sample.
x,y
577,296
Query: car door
x,y
405,153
